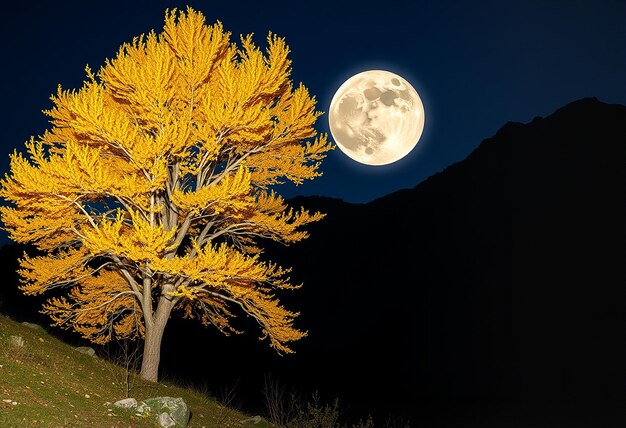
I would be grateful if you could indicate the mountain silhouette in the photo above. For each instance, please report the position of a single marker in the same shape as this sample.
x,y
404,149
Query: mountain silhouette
x,y
491,294
499,279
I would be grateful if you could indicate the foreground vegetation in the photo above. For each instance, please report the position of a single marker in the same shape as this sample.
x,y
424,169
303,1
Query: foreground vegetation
x,y
45,382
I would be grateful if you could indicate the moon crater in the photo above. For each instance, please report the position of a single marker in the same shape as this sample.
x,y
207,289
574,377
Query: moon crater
x,y
376,117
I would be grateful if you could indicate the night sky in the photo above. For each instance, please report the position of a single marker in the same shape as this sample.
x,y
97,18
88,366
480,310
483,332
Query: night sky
x,y
476,65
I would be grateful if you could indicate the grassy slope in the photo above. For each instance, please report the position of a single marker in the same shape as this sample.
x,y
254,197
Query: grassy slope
x,y
56,386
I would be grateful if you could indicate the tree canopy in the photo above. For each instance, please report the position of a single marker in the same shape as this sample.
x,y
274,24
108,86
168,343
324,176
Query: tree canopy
x,y
156,185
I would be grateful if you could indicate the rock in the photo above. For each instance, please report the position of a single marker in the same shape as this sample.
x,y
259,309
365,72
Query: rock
x,y
126,403
17,341
32,325
143,408
256,420
165,420
175,407
86,350
171,411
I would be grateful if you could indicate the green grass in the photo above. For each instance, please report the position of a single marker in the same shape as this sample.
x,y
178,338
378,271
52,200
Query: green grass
x,y
56,386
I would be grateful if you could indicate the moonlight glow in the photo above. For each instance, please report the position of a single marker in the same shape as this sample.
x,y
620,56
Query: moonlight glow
x,y
376,117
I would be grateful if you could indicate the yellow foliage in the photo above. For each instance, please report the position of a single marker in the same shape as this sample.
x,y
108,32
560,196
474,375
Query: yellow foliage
x,y
231,192
152,184
98,306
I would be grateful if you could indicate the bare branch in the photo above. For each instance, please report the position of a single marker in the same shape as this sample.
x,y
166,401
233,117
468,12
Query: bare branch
x,y
80,207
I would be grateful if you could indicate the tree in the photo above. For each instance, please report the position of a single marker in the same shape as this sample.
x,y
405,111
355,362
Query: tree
x,y
154,189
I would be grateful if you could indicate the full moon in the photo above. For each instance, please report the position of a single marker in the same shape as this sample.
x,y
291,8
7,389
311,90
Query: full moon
x,y
376,117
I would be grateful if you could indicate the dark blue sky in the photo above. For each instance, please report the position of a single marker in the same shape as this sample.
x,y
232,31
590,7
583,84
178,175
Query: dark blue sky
x,y
476,64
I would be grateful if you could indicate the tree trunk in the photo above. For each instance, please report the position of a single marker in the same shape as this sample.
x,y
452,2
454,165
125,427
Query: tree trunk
x,y
152,341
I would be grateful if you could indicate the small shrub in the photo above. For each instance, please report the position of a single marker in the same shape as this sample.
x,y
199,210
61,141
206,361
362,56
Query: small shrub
x,y
226,399
317,415
127,355
289,410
